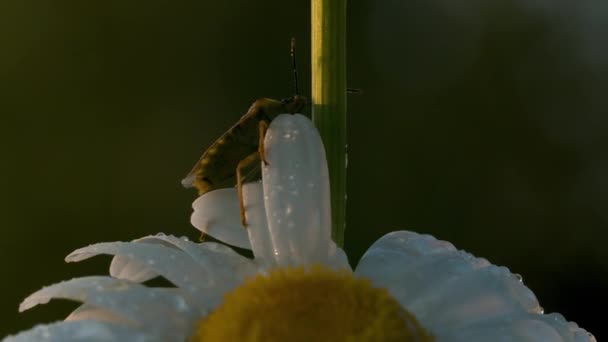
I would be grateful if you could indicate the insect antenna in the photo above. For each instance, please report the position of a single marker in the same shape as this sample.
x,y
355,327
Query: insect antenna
x,y
293,65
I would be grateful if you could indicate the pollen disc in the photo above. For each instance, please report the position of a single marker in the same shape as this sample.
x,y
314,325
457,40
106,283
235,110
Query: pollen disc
x,y
309,304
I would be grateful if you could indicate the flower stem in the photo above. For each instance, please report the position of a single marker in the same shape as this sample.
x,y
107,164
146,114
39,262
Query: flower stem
x,y
329,99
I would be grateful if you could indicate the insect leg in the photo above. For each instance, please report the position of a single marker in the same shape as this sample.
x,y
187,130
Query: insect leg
x,y
263,126
243,164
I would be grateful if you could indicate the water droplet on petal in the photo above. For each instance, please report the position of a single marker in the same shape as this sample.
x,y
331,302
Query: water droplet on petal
x,y
518,277
180,304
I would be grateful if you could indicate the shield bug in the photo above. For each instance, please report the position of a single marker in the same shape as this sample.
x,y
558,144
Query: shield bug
x,y
228,159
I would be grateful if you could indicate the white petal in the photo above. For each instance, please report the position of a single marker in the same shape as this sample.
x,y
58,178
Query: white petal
x,y
338,260
83,331
217,213
296,192
156,309
569,331
88,312
126,268
259,235
222,265
441,286
475,296
261,239
176,266
406,263
519,328
516,328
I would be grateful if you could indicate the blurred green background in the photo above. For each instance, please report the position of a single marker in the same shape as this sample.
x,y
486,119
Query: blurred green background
x,y
484,123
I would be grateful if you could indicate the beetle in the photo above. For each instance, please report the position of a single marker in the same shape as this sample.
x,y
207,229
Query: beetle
x,y
224,163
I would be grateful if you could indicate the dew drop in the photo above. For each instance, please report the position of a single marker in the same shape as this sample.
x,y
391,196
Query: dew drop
x,y
518,277
180,304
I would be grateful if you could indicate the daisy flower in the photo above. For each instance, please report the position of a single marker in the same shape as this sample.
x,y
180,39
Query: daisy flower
x,y
299,286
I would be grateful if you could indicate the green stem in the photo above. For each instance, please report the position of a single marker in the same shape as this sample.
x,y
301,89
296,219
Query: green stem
x,y
329,99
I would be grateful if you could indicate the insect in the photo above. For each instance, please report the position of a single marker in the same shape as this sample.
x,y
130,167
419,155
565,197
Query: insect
x,y
226,161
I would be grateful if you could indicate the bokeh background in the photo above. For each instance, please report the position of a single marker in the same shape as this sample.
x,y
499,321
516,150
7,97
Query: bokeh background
x,y
484,123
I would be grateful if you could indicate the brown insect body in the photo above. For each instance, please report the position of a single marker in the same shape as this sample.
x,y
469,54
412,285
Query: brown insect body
x,y
217,166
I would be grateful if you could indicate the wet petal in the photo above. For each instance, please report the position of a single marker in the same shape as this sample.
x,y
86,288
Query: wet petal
x,y
88,312
126,268
569,331
174,265
519,328
516,328
474,296
296,192
157,309
259,235
440,285
83,331
224,265
338,260
406,263
217,213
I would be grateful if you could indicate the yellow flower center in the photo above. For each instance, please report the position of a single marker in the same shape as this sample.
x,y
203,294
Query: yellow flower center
x,y
309,304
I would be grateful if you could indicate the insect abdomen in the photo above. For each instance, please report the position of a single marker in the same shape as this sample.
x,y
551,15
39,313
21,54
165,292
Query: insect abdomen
x,y
217,167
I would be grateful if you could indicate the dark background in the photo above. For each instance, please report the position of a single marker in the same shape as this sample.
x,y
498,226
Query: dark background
x,y
482,122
